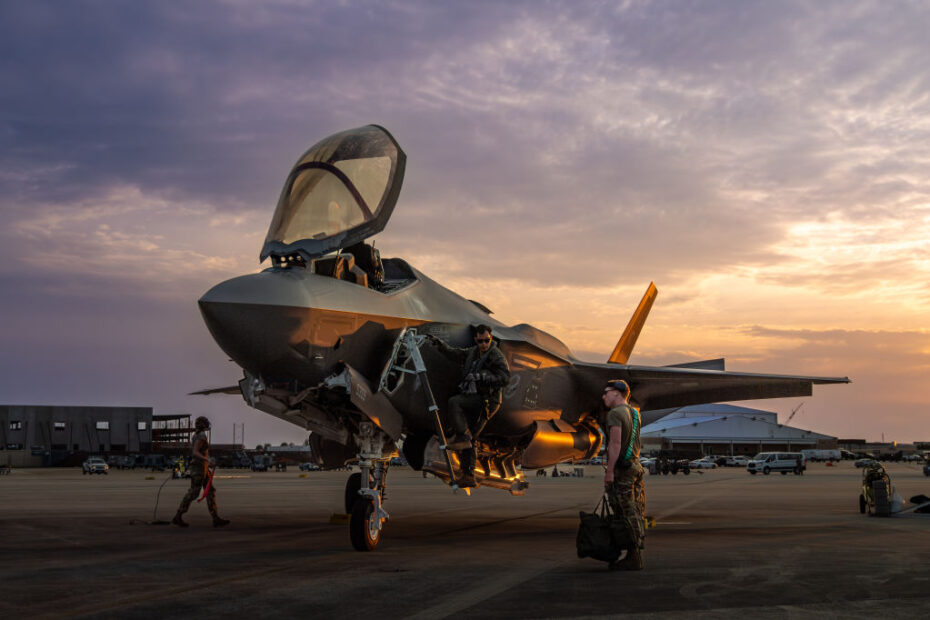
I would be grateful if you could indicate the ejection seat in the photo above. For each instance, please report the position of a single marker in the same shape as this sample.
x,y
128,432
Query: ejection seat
x,y
341,267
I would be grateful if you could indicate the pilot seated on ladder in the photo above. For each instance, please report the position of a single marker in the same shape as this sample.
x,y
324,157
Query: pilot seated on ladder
x,y
484,374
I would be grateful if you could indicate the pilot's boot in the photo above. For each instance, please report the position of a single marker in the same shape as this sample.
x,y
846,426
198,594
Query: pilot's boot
x,y
632,561
460,442
219,521
467,478
178,520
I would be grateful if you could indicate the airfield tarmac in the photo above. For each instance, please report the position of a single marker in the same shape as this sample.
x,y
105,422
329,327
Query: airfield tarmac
x,y
726,544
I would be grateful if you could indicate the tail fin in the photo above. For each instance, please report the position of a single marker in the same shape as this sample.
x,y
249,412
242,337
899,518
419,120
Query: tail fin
x,y
628,340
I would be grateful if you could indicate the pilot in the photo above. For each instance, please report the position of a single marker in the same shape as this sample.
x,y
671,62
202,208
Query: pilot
x,y
200,476
485,373
623,479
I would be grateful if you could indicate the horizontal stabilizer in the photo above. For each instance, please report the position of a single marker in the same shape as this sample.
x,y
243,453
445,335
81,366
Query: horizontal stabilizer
x,y
716,364
628,340
663,387
232,389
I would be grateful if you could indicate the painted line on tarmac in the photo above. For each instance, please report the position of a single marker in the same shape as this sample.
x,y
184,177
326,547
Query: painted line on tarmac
x,y
517,518
675,510
490,588
131,601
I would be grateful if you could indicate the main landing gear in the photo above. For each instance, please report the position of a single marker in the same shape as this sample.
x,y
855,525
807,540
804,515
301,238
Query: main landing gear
x,y
363,503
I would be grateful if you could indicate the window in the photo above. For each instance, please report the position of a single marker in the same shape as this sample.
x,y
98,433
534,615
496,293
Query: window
x,y
15,425
14,446
142,426
59,426
103,426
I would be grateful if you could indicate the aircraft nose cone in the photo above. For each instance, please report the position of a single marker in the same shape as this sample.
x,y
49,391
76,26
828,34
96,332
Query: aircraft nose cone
x,y
254,318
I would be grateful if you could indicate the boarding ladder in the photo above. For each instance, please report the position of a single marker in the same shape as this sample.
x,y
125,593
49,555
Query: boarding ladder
x,y
406,351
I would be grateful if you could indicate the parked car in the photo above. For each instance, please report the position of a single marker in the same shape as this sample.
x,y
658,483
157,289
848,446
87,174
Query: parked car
x,y
782,462
864,462
737,461
95,465
927,469
708,462
309,467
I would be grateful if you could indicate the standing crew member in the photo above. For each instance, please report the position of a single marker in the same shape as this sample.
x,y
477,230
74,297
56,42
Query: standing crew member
x,y
623,480
200,462
484,373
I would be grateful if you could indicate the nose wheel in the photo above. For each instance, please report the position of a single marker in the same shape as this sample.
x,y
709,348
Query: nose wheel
x,y
365,492
364,526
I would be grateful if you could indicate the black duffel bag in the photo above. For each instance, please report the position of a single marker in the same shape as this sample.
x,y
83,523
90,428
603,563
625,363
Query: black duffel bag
x,y
602,535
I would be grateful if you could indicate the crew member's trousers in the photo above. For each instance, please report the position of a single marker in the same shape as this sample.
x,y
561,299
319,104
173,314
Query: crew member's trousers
x,y
466,413
627,496
198,482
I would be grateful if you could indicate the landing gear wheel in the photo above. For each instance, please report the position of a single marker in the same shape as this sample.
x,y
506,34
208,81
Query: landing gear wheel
x,y
353,485
364,528
861,504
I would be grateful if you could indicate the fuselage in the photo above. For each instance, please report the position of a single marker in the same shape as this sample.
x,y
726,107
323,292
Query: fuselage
x,y
291,326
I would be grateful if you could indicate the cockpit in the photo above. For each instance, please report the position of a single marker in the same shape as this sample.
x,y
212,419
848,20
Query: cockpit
x,y
338,194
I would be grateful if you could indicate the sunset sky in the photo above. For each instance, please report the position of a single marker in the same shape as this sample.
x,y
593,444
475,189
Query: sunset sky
x,y
765,163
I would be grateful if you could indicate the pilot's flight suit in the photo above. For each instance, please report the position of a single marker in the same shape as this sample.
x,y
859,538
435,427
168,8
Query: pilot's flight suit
x,y
627,493
467,410
199,478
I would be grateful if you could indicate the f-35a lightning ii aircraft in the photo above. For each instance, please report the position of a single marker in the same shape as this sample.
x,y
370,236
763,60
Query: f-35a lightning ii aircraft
x,y
330,338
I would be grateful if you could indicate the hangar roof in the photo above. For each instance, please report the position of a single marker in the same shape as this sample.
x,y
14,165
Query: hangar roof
x,y
726,423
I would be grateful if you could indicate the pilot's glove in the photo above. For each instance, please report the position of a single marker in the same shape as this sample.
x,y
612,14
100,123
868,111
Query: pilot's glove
x,y
486,376
212,461
471,377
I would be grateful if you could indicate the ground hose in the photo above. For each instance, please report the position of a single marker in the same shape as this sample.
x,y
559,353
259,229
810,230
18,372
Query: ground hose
x,y
155,520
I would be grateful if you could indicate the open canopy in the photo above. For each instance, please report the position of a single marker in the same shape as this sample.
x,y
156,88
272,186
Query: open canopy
x,y
340,192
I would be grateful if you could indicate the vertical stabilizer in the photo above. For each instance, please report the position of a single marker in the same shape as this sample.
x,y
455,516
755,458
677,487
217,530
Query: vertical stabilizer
x,y
628,340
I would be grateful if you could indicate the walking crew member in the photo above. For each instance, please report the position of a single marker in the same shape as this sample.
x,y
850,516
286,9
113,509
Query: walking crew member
x,y
623,480
200,463
484,373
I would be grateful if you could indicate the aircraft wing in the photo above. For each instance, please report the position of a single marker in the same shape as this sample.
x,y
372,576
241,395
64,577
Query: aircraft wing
x,y
232,389
666,387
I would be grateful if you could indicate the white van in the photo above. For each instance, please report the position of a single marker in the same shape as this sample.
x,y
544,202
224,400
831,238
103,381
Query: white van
x,y
783,462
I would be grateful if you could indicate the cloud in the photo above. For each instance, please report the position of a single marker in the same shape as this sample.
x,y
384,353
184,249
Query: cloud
x,y
763,162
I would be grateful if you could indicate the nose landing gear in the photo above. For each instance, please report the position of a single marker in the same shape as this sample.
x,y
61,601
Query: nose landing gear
x,y
364,503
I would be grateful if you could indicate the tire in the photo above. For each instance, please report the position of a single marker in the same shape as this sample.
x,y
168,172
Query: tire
x,y
861,504
752,471
784,473
766,470
353,485
362,531
880,493
686,470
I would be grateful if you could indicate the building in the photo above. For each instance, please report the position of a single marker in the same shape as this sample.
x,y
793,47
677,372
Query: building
x,y
34,435
728,429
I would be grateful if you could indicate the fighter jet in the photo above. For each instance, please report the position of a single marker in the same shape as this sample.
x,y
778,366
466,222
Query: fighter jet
x,y
331,337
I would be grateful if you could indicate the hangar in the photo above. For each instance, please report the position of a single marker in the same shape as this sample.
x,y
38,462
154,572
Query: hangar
x,y
728,429
34,435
